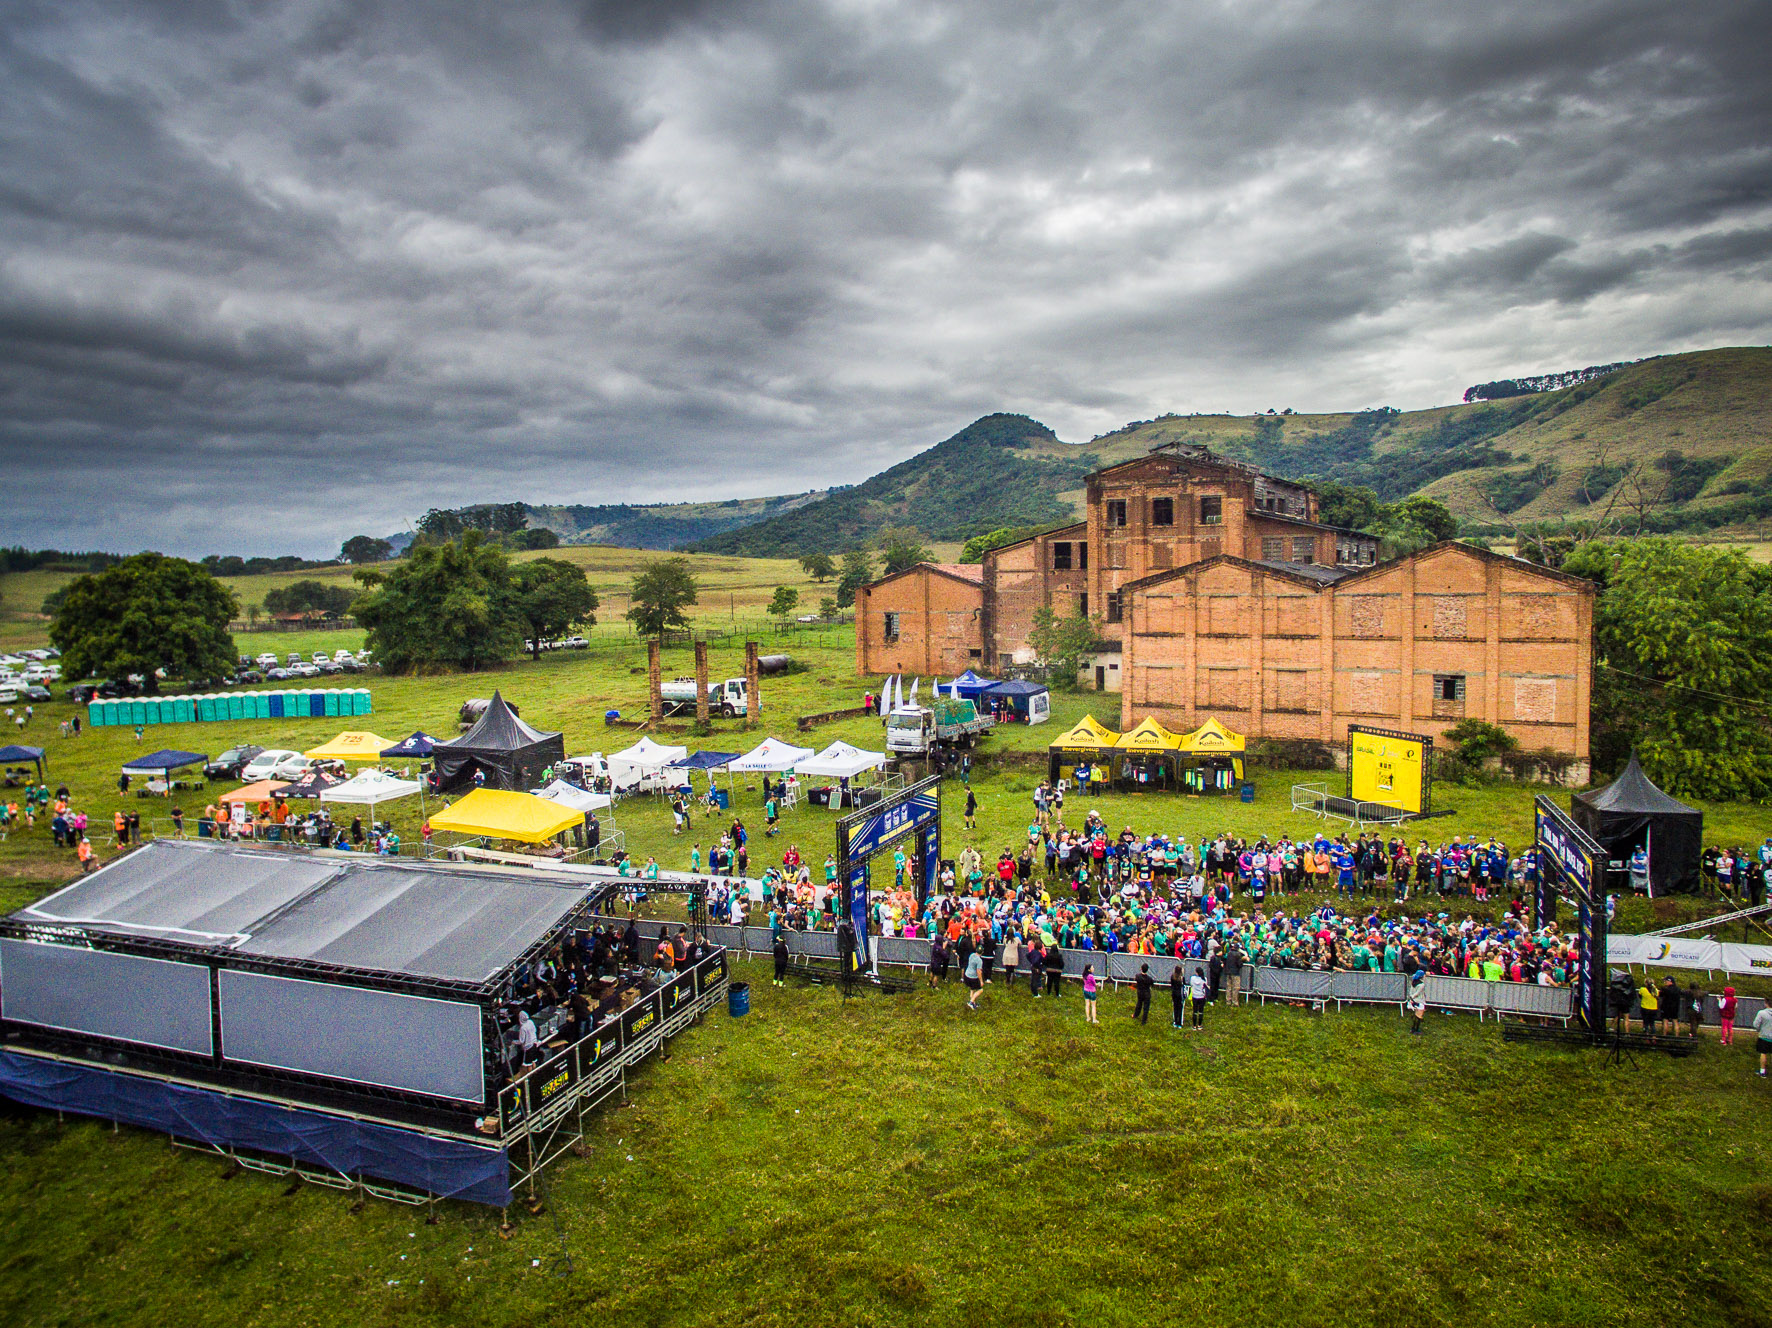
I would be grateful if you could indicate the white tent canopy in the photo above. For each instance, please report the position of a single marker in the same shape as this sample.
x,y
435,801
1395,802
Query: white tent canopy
x,y
569,795
771,755
645,757
371,787
840,760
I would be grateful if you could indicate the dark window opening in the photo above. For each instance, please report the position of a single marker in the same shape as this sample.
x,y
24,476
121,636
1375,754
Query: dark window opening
x,y
1083,604
1113,606
1116,512
1448,687
1211,510
1162,511
1082,557
892,627
1061,557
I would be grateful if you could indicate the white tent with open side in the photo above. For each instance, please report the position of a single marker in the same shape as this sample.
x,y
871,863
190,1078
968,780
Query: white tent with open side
x,y
772,756
570,795
840,760
645,759
371,788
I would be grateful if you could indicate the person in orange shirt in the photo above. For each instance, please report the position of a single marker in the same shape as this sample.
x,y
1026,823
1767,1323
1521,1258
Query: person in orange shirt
x,y
120,823
85,852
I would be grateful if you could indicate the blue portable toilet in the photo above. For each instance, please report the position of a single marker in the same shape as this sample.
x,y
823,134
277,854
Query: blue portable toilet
x,y
317,704
274,702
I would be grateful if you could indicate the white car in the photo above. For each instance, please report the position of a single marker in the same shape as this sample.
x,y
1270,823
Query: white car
x,y
277,763
268,660
321,657
342,657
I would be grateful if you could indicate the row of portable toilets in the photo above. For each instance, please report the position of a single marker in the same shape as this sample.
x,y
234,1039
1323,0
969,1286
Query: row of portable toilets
x,y
309,704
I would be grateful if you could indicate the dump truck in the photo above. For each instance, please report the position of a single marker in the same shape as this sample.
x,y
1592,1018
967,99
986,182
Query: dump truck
x,y
949,722
726,699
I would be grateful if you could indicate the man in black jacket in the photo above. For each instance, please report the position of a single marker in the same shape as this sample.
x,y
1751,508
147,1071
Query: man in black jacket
x,y
1142,1010
781,958
1177,998
1054,970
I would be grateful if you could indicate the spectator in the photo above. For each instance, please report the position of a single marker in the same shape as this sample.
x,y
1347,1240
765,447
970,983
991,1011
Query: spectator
x,y
1197,989
1141,1009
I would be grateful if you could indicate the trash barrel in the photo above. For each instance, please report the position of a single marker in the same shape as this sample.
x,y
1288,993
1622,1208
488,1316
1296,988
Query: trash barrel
x,y
1247,792
738,999
724,798
610,716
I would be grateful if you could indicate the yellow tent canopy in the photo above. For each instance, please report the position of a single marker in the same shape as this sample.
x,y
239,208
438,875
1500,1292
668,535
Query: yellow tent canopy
x,y
499,814
1210,738
352,745
1149,736
1088,734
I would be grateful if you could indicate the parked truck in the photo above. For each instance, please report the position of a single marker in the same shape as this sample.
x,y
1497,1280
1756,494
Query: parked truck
x,y
949,722
726,699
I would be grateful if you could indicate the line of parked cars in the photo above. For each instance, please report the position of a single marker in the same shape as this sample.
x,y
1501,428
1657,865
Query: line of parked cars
x,y
26,676
265,668
562,643
250,763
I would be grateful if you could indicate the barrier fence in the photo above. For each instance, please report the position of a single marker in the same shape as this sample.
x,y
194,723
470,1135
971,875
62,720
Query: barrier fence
x,y
1264,984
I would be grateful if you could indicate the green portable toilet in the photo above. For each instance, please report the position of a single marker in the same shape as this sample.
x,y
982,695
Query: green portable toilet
x,y
362,700
350,701
138,712
331,702
182,711
261,705
113,712
236,706
95,714
205,708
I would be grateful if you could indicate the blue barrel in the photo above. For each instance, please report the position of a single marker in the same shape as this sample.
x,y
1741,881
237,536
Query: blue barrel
x,y
724,798
1247,792
738,999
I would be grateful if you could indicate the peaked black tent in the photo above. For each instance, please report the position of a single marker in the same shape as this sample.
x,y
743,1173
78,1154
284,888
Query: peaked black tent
x,y
1631,813
510,753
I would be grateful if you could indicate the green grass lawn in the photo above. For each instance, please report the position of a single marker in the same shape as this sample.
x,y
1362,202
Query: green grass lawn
x,y
899,1160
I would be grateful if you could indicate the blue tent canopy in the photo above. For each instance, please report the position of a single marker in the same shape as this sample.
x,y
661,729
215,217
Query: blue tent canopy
x,y
1015,694
163,761
19,755
969,684
703,761
418,745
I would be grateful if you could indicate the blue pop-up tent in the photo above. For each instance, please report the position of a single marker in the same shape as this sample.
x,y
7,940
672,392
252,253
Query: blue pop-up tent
x,y
703,761
415,747
19,755
969,686
1028,701
163,762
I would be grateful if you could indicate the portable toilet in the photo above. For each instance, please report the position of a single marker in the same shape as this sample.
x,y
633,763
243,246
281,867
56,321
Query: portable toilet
x,y
362,700
274,705
317,703
182,712
95,714
232,707
331,702
205,708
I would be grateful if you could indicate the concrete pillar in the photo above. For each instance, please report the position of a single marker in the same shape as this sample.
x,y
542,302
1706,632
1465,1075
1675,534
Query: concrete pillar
x,y
701,682
753,678
655,679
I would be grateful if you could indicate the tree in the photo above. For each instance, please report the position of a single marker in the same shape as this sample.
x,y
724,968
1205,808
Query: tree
x,y
450,605
1683,663
1431,515
784,601
540,537
827,608
365,549
148,612
662,589
858,570
253,613
974,550
1350,506
1062,644
310,597
818,566
552,598
902,547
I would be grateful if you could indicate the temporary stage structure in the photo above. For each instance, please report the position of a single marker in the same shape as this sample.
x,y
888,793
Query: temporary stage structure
x,y
1631,813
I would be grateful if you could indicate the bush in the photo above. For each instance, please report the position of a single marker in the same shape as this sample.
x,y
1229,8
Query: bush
x,y
1477,741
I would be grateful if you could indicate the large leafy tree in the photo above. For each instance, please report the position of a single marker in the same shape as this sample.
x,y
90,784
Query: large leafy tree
x,y
1683,655
902,547
366,549
553,597
1063,644
818,566
309,596
146,613
784,602
450,605
661,590
858,570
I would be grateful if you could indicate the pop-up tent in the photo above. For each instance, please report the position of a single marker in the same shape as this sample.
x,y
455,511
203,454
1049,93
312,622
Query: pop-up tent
x,y
1087,743
570,795
416,747
772,756
508,752
1631,813
371,787
163,762
314,784
1030,702
642,762
21,755
1147,756
502,814
840,761
704,761
1209,758
968,686
262,791
351,745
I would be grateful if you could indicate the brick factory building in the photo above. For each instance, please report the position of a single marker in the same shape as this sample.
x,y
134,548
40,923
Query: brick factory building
x,y
1219,593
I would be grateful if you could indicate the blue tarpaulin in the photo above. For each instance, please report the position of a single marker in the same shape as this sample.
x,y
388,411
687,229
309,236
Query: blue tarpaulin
x,y
451,1168
703,761
164,760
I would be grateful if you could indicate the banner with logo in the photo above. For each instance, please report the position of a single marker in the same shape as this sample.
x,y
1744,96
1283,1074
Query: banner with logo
x,y
1689,952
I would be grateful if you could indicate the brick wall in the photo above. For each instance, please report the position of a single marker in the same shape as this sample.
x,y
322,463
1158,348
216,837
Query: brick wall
x,y
938,620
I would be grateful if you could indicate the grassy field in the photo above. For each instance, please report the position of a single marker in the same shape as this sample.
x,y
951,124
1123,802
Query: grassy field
x,y
901,1161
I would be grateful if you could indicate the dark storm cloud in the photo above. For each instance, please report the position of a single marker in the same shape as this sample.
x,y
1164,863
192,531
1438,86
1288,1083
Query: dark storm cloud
x,y
615,250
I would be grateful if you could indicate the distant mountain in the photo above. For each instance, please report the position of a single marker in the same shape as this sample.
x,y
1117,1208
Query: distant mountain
x,y
1690,435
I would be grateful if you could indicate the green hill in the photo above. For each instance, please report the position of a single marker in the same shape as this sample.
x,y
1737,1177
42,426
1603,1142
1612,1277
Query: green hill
x,y
1675,443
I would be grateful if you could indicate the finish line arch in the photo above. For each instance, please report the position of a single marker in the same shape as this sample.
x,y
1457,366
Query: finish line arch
x,y
912,813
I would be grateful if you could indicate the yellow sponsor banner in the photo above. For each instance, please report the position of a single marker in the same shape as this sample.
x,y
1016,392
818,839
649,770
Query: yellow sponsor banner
x,y
1387,770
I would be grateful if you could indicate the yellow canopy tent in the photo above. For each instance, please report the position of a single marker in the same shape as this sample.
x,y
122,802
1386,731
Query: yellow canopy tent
x,y
352,745
1147,756
1214,768
501,814
1087,743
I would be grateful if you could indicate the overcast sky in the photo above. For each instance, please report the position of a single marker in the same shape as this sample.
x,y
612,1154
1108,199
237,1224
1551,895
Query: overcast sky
x,y
275,274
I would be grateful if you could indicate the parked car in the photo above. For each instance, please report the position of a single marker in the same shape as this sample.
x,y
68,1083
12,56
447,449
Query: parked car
x,y
249,675
82,692
321,657
304,670
577,643
268,660
276,763
231,762
36,693
278,674
343,657
246,661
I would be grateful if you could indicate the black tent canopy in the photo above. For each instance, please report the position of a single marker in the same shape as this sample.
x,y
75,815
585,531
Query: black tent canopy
x,y
509,752
1631,813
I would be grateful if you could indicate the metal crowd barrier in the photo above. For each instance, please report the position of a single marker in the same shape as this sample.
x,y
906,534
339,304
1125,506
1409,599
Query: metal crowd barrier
x,y
1459,994
1292,984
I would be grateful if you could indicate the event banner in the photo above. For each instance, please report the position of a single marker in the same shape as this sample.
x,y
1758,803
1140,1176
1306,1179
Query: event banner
x,y
1689,952
931,860
1388,768
858,909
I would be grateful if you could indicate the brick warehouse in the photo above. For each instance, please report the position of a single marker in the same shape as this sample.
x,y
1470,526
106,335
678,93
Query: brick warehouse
x,y
1219,593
